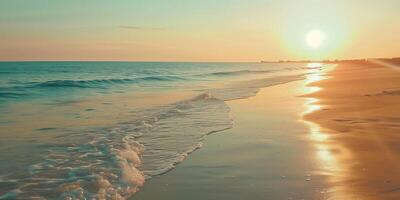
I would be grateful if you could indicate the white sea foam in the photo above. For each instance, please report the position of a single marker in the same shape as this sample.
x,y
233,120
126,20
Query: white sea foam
x,y
245,89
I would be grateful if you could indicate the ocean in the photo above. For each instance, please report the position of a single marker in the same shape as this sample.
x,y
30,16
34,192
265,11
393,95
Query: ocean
x,y
99,130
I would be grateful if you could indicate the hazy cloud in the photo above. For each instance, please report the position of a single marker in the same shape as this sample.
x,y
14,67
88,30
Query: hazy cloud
x,y
142,28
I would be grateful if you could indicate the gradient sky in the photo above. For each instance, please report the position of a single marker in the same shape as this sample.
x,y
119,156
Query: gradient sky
x,y
196,30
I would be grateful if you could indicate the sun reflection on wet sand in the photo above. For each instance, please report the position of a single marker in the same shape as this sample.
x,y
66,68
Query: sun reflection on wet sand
x,y
324,155
311,106
315,133
328,154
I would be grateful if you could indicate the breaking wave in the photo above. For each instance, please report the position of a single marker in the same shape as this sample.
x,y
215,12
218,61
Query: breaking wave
x,y
238,72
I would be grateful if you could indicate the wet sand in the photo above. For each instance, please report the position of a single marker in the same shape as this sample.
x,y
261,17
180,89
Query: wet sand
x,y
266,155
357,119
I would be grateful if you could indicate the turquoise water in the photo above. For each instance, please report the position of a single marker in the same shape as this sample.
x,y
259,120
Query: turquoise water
x,y
40,80
76,130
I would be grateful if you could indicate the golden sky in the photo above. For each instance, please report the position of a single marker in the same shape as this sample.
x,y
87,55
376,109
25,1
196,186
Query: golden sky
x,y
192,30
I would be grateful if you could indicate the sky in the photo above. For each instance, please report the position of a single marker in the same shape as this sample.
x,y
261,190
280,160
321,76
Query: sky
x,y
197,30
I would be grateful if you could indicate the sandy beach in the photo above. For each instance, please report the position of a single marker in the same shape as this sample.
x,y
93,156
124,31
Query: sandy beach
x,y
357,119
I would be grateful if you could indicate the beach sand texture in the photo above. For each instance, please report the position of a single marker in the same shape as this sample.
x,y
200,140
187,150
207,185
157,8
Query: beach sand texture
x,y
359,115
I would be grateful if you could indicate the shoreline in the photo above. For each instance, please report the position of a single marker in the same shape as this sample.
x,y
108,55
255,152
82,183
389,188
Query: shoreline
x,y
267,154
357,119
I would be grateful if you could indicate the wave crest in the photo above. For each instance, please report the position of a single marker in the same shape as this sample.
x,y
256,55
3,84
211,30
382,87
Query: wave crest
x,y
102,83
235,73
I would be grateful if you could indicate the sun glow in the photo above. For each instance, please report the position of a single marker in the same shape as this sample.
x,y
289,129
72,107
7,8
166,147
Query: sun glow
x,y
315,38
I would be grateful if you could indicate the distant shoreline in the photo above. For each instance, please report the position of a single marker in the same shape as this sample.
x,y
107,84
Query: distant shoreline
x,y
391,60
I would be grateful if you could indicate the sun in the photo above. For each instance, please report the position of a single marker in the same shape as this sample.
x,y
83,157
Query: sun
x,y
315,38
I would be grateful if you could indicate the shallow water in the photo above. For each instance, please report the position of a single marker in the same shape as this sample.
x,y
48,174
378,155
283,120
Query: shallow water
x,y
101,129
266,155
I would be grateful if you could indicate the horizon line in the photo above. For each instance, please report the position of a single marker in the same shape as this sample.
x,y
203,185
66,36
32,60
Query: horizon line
x,y
204,61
